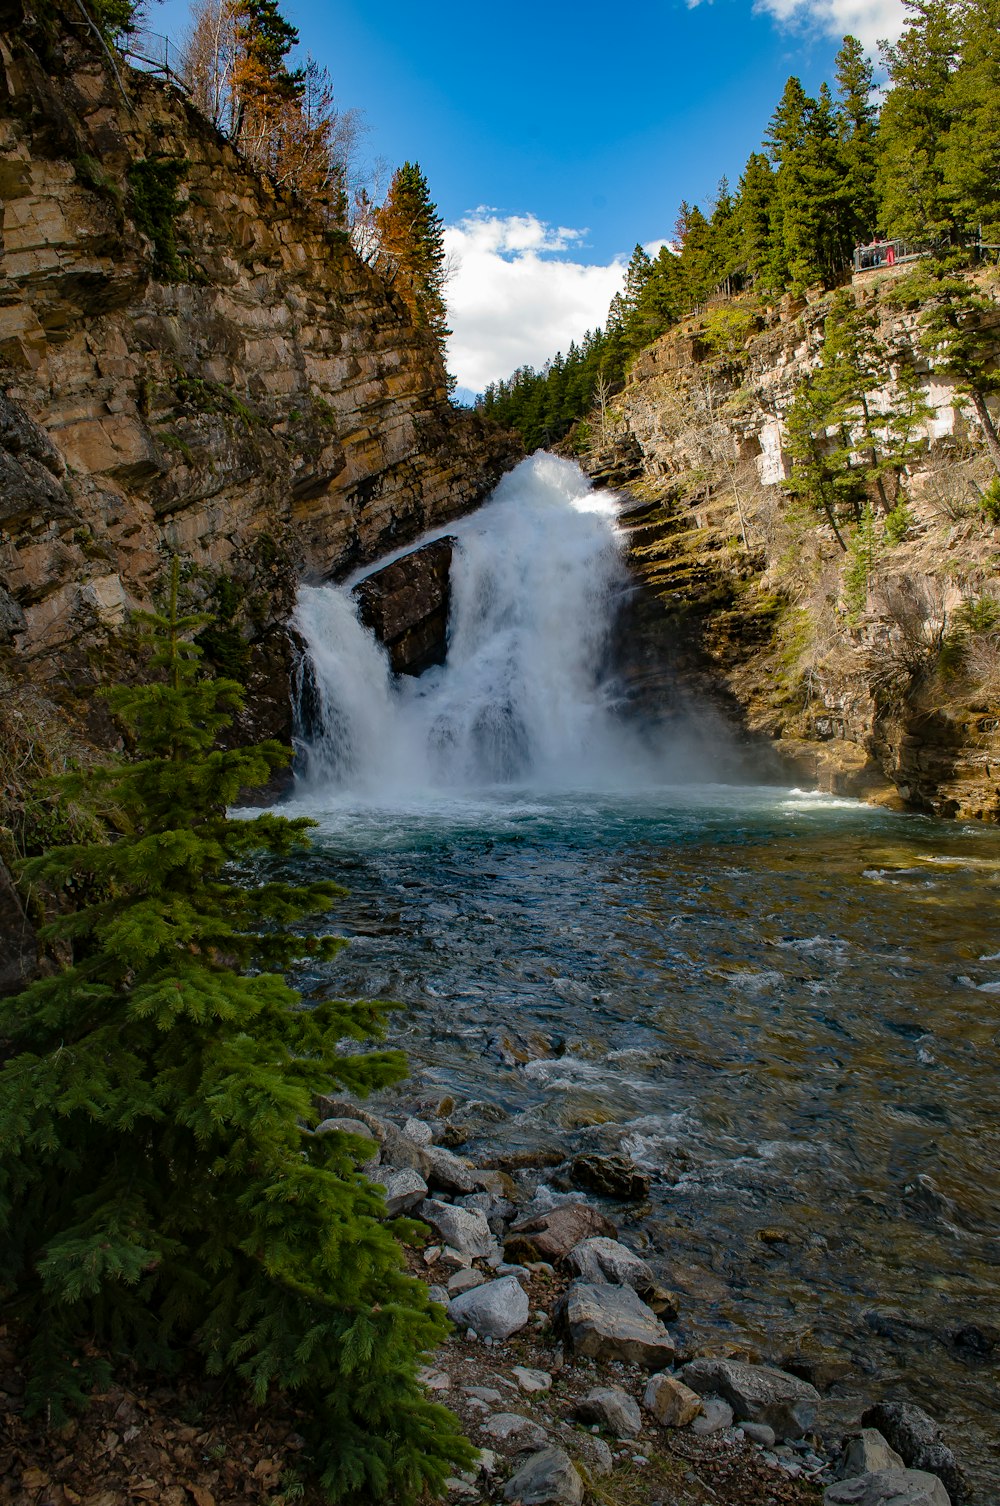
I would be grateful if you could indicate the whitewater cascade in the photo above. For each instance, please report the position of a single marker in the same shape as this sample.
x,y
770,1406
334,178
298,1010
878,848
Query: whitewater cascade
x,y
526,695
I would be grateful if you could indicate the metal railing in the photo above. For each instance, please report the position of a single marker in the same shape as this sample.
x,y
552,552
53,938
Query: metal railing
x,y
887,254
157,54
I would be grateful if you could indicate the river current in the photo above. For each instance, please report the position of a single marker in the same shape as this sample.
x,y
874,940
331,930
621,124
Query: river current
x,y
784,1006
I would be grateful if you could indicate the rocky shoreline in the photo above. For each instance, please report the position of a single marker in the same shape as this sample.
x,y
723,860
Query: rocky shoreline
x,y
563,1369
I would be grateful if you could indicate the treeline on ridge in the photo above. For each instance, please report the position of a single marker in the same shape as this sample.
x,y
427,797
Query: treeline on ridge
x,y
835,172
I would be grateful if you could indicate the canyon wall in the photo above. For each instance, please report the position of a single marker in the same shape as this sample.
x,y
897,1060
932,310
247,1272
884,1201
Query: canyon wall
x,y
229,382
744,597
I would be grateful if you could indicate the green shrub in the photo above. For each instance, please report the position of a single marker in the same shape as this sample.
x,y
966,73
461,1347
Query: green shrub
x,y
154,205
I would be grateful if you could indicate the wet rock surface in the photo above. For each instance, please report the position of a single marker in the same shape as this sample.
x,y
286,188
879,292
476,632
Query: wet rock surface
x,y
406,606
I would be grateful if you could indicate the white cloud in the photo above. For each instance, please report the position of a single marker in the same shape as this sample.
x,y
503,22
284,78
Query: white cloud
x,y
517,295
868,20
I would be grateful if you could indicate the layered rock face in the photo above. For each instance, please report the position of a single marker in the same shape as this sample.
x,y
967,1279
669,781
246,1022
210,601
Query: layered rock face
x,y
236,386
744,604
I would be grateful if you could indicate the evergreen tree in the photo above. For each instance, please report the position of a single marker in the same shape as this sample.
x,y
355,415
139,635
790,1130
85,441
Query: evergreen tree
x,y
756,214
161,1190
958,332
857,121
262,83
914,125
412,242
970,157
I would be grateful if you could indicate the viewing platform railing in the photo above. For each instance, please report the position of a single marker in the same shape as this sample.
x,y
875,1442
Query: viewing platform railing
x,y
886,254
156,54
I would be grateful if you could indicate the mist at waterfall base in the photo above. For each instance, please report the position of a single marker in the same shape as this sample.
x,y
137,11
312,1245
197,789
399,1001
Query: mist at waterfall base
x,y
528,698
785,1007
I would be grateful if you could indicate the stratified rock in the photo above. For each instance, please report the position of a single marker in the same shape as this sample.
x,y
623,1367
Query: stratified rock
x,y
406,603
495,1310
552,1234
462,1228
404,1190
611,1323
612,1408
611,1176
511,1426
716,1416
865,1453
601,1259
672,1403
888,1487
549,1478
18,947
757,1393
916,1437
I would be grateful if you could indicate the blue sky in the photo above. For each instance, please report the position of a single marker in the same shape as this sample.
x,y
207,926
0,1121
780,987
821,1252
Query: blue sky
x,y
533,118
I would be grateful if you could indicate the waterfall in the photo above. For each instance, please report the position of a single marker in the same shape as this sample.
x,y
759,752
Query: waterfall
x,y
526,696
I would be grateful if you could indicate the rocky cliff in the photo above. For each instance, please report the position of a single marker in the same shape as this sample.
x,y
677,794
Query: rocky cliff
x,y
894,696
190,363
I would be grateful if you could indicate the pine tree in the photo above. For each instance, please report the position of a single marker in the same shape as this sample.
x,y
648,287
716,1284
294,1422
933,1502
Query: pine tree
x,y
914,125
161,1190
857,122
412,242
756,214
970,156
959,334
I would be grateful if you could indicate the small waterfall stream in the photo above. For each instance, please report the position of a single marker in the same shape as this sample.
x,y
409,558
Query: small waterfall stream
x,y
527,695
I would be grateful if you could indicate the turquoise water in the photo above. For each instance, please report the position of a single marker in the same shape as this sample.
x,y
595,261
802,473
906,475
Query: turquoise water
x,y
782,1005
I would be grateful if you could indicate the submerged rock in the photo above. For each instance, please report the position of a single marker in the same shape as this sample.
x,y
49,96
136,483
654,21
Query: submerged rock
x,y
612,1323
611,1176
757,1393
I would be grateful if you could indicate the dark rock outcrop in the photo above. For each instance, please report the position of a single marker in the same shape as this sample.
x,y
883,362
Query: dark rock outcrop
x,y
406,606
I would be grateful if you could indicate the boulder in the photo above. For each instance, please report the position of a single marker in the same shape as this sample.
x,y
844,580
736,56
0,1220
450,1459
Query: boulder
x,y
495,1310
602,1259
511,1427
549,1478
552,1234
344,1126
865,1453
448,1172
716,1415
531,1380
403,1190
419,1131
916,1437
888,1487
611,1176
612,1408
672,1403
465,1280
463,1228
612,1323
757,1393
758,1432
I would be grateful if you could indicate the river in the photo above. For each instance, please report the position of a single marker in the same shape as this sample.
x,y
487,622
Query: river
x,y
783,1006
